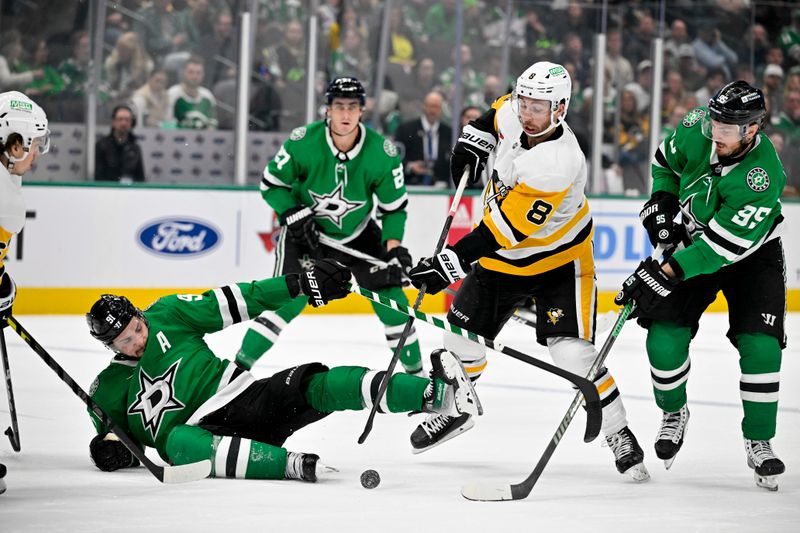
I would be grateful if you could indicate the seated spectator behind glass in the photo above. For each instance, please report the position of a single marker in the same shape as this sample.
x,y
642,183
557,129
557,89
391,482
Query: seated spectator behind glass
x,y
468,114
678,36
638,41
632,144
159,27
13,72
46,89
151,102
402,42
576,53
789,119
471,79
127,67
426,142
75,72
118,157
643,85
214,49
423,80
714,81
693,74
197,22
265,102
191,105
711,52
287,60
772,87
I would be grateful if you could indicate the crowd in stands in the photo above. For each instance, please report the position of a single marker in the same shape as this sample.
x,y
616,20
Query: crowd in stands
x,y
173,62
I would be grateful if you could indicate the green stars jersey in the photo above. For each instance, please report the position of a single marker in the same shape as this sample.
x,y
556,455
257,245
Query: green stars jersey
x,y
178,379
730,208
192,112
341,188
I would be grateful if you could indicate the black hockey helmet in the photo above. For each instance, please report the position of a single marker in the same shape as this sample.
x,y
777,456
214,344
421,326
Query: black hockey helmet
x,y
738,103
345,87
109,316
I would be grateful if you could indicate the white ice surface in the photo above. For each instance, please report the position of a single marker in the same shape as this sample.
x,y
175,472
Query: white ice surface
x,y
52,485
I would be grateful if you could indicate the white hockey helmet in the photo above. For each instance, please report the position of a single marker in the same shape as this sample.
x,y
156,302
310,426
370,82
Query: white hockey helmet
x,y
544,81
19,114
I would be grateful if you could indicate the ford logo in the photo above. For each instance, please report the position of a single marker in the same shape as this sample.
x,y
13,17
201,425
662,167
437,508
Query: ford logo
x,y
179,237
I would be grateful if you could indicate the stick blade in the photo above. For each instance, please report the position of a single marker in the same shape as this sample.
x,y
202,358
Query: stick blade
x,y
594,420
187,473
487,492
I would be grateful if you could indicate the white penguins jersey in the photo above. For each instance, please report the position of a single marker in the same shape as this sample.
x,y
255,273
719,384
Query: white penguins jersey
x,y
535,204
12,209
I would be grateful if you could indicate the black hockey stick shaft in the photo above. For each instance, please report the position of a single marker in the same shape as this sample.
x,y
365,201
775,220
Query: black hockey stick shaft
x,y
13,430
402,340
157,471
523,489
594,417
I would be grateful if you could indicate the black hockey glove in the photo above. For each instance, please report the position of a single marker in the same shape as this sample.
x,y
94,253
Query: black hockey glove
x,y
328,280
394,274
438,272
472,148
8,292
300,224
647,286
109,454
658,217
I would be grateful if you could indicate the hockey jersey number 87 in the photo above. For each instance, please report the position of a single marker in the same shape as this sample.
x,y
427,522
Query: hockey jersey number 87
x,y
535,204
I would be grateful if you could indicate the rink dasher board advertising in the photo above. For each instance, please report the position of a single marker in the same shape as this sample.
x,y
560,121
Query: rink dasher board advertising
x,y
81,241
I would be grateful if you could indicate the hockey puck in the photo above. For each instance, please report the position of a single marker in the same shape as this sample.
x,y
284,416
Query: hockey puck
x,y
370,479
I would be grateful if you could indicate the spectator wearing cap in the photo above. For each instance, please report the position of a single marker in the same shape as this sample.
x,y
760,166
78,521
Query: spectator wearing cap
x,y
693,74
789,38
643,85
711,52
772,86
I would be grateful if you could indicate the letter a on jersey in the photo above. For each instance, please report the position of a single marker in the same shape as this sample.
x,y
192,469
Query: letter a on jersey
x,y
334,205
156,396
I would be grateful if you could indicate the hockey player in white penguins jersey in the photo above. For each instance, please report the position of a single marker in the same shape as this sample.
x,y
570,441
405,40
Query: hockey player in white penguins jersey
x,y
23,136
534,240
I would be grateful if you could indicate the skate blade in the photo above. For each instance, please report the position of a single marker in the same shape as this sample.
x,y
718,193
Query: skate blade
x,y
638,473
767,482
466,426
668,462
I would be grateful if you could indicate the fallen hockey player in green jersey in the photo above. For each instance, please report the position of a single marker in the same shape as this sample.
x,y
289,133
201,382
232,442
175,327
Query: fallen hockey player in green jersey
x,y
169,391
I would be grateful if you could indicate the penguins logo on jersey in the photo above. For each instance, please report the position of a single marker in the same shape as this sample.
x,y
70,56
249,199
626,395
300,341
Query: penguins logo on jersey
x,y
758,180
333,206
155,398
554,315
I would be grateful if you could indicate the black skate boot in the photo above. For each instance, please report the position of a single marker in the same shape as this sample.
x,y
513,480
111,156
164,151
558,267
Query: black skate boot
x,y
2,475
764,462
628,455
437,429
306,467
670,437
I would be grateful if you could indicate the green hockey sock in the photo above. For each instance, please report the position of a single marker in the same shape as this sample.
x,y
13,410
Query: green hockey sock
x,y
230,456
395,323
668,351
352,388
264,331
760,363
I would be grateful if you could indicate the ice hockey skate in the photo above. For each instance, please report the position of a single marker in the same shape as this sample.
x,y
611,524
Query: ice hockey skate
x,y
628,455
765,464
306,467
2,475
671,435
451,400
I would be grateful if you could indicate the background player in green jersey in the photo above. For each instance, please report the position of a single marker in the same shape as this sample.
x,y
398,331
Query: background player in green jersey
x,y
327,178
722,173
169,391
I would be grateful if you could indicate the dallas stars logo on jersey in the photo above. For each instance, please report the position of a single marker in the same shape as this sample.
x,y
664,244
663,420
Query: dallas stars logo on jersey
x,y
334,206
155,398
758,180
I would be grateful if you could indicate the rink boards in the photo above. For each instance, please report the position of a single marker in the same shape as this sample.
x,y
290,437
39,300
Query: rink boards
x,y
80,241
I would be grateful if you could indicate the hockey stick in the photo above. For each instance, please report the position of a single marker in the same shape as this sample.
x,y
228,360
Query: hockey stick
x,y
495,492
402,340
594,415
165,474
336,245
13,430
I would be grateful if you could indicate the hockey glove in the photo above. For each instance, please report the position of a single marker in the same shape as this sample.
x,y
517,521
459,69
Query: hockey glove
x,y
438,272
472,149
8,292
328,280
109,454
300,224
658,217
647,286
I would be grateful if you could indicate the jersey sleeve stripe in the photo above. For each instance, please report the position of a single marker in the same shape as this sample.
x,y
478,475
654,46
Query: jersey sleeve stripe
x,y
728,255
229,306
241,303
271,180
396,205
660,160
